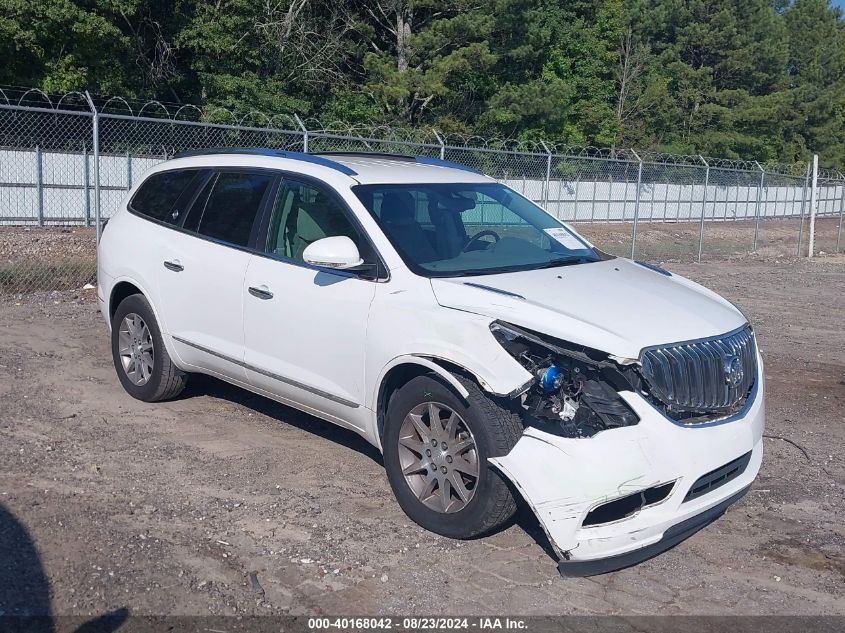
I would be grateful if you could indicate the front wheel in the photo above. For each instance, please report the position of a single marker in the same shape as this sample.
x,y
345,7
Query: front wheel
x,y
143,365
436,447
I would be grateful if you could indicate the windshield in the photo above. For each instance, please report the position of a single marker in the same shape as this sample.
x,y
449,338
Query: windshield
x,y
452,230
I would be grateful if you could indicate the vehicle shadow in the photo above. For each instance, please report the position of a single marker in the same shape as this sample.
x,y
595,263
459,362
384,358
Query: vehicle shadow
x,y
530,524
25,590
203,385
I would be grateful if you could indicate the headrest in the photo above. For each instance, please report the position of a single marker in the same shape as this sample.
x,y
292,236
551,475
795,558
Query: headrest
x,y
307,227
398,208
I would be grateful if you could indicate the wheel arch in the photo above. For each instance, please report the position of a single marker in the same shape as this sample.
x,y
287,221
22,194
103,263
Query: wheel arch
x,y
119,292
403,369
123,287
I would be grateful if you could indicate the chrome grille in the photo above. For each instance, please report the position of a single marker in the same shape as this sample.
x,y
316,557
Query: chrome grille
x,y
713,375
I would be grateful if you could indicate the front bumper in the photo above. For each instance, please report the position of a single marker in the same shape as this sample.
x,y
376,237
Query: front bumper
x,y
671,537
563,479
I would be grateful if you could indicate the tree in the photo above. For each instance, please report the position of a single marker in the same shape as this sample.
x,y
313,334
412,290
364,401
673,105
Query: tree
x,y
421,50
816,80
757,79
276,56
59,45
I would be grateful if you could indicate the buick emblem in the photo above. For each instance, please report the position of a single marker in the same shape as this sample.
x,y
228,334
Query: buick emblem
x,y
733,371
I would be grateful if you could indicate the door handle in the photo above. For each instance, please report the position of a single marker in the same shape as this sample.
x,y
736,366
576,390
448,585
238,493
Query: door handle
x,y
175,265
262,292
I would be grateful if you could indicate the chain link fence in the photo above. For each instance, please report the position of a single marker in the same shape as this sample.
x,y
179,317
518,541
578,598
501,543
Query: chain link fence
x,y
67,161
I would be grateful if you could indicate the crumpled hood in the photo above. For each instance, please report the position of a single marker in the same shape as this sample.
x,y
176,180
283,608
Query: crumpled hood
x,y
616,306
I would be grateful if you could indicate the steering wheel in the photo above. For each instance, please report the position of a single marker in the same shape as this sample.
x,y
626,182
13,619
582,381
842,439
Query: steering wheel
x,y
478,236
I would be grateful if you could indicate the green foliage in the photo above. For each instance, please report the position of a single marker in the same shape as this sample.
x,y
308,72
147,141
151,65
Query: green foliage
x,y
59,45
757,79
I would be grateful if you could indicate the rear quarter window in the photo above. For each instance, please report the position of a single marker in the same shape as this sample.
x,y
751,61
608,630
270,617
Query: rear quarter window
x,y
156,198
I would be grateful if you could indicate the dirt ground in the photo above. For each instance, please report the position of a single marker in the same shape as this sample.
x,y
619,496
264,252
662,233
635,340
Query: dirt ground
x,y
678,241
222,502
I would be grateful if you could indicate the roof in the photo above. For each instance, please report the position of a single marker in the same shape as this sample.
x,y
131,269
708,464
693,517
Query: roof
x,y
366,168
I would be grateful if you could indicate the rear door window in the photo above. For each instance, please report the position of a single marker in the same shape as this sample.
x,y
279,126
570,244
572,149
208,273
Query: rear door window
x,y
232,206
157,197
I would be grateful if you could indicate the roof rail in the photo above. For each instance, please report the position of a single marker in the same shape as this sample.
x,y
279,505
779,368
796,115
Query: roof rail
x,y
422,160
267,151
401,157
425,160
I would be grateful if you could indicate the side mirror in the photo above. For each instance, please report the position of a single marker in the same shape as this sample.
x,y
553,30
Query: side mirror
x,y
333,252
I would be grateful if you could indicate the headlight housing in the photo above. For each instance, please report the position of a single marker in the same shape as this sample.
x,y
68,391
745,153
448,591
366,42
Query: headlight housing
x,y
574,390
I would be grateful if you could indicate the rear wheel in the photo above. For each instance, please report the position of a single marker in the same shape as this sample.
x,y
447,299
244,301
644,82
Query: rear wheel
x,y
142,363
436,447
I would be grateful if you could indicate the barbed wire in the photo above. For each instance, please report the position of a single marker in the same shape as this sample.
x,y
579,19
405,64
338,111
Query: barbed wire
x,y
180,113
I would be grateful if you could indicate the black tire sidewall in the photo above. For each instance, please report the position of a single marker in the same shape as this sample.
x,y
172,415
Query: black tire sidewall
x,y
471,520
140,306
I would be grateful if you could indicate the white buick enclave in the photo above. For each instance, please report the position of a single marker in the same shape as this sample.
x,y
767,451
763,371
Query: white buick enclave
x,y
486,348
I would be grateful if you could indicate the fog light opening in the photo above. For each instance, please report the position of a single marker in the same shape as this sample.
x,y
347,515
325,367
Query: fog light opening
x,y
627,506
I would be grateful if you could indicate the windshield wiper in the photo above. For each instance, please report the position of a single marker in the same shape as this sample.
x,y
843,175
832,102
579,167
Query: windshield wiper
x,y
472,272
566,261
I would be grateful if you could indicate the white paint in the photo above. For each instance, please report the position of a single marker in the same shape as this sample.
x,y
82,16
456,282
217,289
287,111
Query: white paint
x,y
190,300
313,331
615,306
337,251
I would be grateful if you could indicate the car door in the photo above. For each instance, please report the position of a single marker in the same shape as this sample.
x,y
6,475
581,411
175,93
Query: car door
x,y
305,326
204,264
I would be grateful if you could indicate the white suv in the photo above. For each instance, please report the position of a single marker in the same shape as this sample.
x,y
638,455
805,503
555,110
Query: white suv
x,y
486,348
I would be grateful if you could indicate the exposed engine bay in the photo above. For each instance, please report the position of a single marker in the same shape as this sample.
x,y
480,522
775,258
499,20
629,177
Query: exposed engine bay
x,y
574,391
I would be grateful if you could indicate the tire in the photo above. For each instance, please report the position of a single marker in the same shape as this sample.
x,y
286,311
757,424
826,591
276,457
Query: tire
x,y
160,379
494,429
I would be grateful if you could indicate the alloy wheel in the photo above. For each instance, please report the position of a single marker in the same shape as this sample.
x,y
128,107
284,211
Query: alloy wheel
x,y
135,346
439,457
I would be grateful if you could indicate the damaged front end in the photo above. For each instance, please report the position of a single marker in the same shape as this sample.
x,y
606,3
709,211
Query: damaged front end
x,y
614,474
573,391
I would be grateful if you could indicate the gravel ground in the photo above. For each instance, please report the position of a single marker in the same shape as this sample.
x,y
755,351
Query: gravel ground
x,y
678,241
49,258
222,502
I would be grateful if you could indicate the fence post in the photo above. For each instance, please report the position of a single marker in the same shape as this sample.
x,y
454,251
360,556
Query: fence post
x,y
548,174
39,183
757,206
442,144
803,204
304,132
636,204
128,171
85,170
703,206
96,139
813,202
841,207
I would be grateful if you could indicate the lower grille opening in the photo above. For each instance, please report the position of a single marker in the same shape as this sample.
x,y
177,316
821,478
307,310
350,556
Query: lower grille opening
x,y
719,477
627,506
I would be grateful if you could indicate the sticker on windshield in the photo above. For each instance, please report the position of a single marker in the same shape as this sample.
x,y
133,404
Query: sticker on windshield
x,y
562,236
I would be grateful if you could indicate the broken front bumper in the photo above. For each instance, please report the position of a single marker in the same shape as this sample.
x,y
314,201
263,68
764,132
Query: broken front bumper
x,y
563,479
